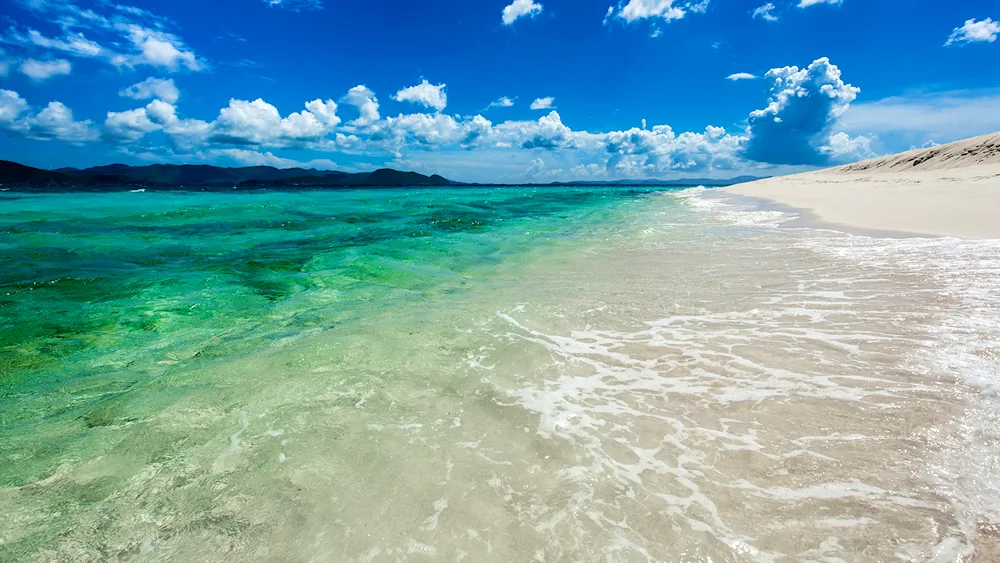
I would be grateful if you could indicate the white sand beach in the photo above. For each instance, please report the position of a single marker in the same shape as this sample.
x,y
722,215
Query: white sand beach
x,y
948,190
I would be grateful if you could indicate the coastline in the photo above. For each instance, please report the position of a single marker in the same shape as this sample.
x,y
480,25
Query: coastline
x,y
947,191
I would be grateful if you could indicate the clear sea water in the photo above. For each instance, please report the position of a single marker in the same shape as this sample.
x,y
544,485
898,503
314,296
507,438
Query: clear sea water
x,y
519,374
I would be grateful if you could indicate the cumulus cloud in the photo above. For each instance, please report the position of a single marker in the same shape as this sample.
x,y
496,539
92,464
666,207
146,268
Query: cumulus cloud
x,y
801,125
841,147
153,88
548,133
43,70
503,102
641,152
128,126
975,32
12,105
765,12
519,9
666,10
364,100
804,106
543,103
741,76
425,94
54,122
807,3
260,123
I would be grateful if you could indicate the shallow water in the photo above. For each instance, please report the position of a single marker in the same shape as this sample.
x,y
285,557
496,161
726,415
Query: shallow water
x,y
508,375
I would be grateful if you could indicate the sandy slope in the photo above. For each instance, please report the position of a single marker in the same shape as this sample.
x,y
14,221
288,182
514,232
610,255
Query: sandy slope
x,y
948,190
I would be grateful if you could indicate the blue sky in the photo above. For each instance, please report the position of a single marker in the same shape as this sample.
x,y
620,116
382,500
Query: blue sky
x,y
486,90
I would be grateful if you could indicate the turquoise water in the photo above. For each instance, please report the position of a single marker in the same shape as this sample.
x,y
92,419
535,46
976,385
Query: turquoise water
x,y
115,308
488,375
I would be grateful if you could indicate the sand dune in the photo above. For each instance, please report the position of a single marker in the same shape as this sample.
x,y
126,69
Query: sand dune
x,y
948,190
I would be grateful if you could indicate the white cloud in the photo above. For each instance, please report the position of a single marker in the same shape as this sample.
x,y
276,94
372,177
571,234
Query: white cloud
x,y
766,12
4,68
519,9
153,88
296,5
74,44
123,36
56,122
741,76
128,126
804,124
503,102
160,49
667,10
841,147
162,113
364,100
43,70
804,106
543,103
975,31
699,7
425,94
12,105
424,129
245,157
260,123
324,111
644,153
807,3
548,132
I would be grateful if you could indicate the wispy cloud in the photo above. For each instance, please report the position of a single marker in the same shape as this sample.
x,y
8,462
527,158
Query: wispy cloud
x,y
921,116
503,102
975,32
741,76
123,36
766,12
807,3
296,5
542,103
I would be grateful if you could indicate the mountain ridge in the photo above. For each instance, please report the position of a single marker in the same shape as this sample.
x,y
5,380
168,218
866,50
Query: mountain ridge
x,y
203,177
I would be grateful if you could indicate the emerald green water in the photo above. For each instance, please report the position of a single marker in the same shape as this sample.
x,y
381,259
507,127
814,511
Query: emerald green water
x,y
488,375
116,308
104,295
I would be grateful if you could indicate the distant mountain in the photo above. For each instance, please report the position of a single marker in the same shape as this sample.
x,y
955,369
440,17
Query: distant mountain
x,y
188,176
195,175
203,177
13,174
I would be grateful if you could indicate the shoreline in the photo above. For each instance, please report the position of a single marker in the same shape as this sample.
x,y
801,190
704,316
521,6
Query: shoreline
x,y
947,191
949,203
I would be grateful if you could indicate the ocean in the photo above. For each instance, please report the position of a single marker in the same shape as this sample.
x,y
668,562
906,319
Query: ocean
x,y
502,374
